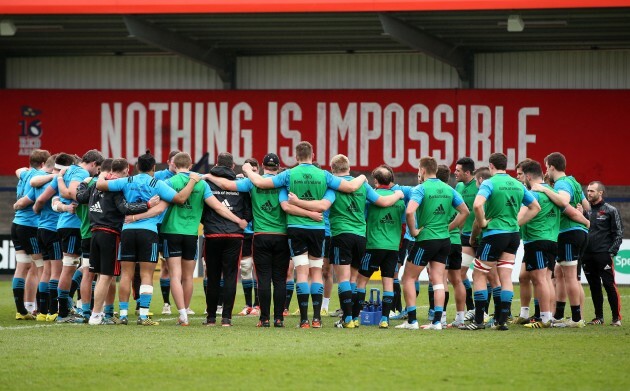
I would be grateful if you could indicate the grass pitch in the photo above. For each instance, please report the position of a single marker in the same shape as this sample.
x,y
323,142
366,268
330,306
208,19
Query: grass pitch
x,y
48,356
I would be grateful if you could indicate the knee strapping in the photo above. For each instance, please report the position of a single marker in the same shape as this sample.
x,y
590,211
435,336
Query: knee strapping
x,y
301,260
438,287
505,264
23,258
467,260
318,263
479,266
69,261
146,289
247,266
38,262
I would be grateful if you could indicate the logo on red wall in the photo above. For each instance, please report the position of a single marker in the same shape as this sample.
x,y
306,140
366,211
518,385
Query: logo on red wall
x,y
30,130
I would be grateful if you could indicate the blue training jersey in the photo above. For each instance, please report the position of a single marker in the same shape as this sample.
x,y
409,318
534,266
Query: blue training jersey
x,y
73,174
140,188
26,216
48,218
163,175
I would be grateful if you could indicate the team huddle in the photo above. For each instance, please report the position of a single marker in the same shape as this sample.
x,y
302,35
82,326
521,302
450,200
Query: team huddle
x,y
82,222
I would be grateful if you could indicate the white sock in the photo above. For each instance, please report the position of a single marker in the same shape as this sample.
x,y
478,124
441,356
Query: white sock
x,y
123,312
325,303
144,312
524,312
545,316
459,317
183,315
443,320
30,306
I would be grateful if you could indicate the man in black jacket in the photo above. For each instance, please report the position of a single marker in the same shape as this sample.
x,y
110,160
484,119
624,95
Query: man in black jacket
x,y
223,241
604,238
107,214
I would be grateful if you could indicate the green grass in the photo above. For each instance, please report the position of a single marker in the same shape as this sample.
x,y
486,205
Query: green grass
x,y
50,356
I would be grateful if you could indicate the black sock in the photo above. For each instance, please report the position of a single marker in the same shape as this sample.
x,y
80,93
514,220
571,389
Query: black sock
x,y
388,300
345,298
53,306
303,294
165,287
480,301
446,297
74,288
397,303
290,289
496,298
317,295
470,304
247,291
43,301
576,314
559,310
431,297
18,295
357,303
92,295
536,309
256,298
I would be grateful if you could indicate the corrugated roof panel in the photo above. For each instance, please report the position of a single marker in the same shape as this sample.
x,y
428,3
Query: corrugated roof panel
x,y
124,72
344,71
600,69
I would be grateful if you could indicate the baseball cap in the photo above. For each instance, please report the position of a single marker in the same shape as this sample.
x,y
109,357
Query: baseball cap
x,y
271,160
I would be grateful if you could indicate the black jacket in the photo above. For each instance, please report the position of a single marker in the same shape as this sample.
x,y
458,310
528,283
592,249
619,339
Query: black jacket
x,y
238,203
107,209
606,232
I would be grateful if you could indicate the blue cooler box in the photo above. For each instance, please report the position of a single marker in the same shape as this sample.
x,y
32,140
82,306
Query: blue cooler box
x,y
371,314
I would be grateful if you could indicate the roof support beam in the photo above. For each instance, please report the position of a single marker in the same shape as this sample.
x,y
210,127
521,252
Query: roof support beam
x,y
172,42
428,44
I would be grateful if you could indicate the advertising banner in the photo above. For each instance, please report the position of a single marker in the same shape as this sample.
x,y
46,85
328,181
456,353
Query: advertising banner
x,y
371,127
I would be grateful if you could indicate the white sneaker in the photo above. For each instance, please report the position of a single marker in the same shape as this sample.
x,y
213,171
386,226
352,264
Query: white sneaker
x,y
166,310
469,316
575,325
189,311
408,326
95,319
219,310
393,313
432,326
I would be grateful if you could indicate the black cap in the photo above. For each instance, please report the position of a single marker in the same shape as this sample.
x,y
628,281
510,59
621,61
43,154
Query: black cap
x,y
271,160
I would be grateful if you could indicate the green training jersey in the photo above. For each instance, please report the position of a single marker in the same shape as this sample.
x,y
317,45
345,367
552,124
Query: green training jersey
x,y
184,219
436,201
571,186
454,233
384,226
468,191
546,224
504,196
268,214
83,211
347,213
308,183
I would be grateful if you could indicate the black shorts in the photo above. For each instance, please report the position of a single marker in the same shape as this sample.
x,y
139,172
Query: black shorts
x,y
327,241
104,253
70,240
347,249
305,240
492,246
50,244
466,242
175,245
454,260
571,245
374,259
538,254
433,250
85,247
248,242
139,245
25,238
403,250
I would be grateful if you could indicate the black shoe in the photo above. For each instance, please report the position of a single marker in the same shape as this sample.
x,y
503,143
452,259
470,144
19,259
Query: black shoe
x,y
263,323
278,323
226,322
472,326
210,322
503,327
